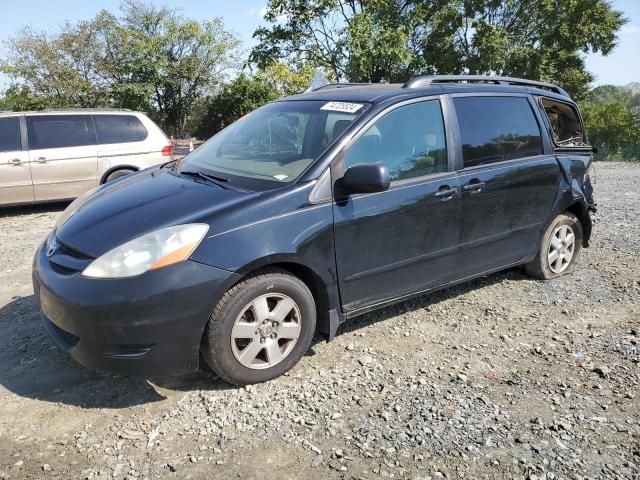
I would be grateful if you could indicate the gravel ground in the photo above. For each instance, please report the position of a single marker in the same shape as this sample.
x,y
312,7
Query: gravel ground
x,y
502,377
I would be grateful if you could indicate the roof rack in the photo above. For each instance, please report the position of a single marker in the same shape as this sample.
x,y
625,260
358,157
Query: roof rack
x,y
343,85
89,109
420,82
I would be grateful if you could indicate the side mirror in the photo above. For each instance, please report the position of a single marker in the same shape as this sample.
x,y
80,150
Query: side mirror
x,y
366,178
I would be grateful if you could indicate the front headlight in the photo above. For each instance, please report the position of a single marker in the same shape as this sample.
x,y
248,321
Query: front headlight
x,y
154,250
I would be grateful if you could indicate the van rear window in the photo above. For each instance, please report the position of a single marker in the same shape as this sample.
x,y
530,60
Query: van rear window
x,y
119,129
495,129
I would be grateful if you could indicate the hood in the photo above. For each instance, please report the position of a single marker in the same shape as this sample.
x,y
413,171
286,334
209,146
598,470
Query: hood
x,y
138,204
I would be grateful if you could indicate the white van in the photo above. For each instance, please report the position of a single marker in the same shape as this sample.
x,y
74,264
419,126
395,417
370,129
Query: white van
x,y
60,154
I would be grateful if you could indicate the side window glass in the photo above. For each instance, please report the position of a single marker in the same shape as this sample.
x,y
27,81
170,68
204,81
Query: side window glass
x,y
495,129
409,141
10,134
119,129
565,124
58,131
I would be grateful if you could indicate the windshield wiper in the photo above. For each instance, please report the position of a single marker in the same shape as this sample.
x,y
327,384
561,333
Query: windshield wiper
x,y
219,181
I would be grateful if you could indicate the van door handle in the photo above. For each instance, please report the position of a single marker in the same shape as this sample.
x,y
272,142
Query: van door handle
x,y
445,192
474,186
41,160
15,162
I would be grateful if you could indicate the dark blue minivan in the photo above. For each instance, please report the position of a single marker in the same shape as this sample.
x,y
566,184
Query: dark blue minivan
x,y
309,211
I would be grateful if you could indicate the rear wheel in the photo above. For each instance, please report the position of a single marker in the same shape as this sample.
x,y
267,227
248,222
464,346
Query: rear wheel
x,y
560,248
118,174
260,328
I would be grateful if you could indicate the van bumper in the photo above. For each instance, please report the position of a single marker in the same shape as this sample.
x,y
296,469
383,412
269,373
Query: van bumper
x,y
150,325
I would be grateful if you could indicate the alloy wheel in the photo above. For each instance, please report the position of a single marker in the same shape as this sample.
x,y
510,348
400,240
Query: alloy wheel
x,y
561,248
266,331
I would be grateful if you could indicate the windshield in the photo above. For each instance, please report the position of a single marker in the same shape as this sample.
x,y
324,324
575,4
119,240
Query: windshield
x,y
276,142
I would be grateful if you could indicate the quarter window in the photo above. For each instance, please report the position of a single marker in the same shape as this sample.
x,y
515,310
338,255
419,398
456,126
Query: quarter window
x,y
409,141
495,129
10,134
565,124
119,128
58,131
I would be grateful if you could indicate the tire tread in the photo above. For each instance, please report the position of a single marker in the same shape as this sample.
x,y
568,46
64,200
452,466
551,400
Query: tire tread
x,y
217,313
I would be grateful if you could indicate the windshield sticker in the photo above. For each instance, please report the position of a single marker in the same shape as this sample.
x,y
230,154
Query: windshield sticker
x,y
342,107
280,177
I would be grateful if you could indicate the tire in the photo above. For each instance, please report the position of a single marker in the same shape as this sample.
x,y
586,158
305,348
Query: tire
x,y
239,343
546,265
118,174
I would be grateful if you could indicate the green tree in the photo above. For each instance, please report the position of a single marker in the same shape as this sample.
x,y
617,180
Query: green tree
x,y
147,58
394,39
18,98
286,79
236,99
613,130
248,92
536,39
58,68
358,40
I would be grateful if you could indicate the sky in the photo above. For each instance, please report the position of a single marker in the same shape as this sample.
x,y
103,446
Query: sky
x,y
620,67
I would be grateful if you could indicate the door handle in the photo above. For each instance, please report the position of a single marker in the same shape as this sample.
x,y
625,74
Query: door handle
x,y
445,192
474,186
15,162
41,160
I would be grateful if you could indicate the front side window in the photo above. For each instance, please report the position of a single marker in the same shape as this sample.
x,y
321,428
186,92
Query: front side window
x,y
10,134
119,129
276,142
58,131
409,141
495,129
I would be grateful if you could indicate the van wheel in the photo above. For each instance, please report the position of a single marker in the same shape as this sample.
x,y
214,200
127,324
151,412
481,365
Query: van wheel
x,y
117,174
560,248
260,328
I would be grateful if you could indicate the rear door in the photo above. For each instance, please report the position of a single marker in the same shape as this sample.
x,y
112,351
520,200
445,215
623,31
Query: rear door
x,y
403,240
122,141
63,155
509,180
15,171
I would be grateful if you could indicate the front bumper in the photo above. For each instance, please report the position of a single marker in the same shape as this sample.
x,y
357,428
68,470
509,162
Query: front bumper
x,y
146,325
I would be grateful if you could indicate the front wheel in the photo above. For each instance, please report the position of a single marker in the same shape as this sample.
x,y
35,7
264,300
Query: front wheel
x,y
260,328
559,250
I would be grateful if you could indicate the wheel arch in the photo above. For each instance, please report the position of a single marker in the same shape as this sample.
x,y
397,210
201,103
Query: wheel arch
x,y
115,168
326,322
579,209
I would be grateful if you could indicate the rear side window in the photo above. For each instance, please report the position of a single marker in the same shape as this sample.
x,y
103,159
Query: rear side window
x,y
495,129
58,131
119,128
10,134
565,124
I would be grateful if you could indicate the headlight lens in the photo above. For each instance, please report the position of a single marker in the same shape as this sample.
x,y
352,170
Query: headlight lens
x,y
154,250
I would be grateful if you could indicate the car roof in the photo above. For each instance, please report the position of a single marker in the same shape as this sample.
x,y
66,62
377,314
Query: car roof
x,y
70,111
379,92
